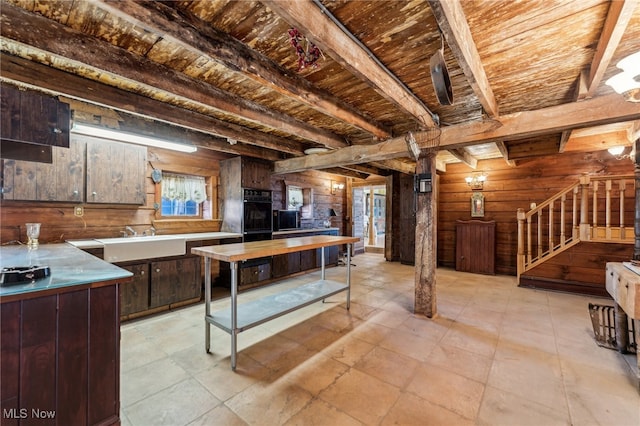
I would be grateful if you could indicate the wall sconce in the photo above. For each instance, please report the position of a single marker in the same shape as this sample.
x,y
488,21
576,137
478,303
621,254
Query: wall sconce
x,y
619,152
336,186
627,83
476,181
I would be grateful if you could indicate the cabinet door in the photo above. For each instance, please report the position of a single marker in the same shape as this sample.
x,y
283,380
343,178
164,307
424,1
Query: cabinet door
x,y
256,174
254,274
280,265
62,180
308,259
475,246
174,281
30,116
134,295
164,277
115,172
189,279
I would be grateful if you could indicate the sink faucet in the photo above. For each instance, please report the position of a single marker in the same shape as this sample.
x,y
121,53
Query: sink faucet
x,y
151,231
130,229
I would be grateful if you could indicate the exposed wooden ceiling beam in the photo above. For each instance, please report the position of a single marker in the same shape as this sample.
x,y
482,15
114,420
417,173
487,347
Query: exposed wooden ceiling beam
x,y
502,147
201,38
526,124
398,165
462,155
33,36
618,16
319,28
564,139
454,26
364,168
346,172
57,82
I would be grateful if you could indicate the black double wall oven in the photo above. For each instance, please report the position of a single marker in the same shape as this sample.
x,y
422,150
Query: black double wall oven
x,y
256,221
257,215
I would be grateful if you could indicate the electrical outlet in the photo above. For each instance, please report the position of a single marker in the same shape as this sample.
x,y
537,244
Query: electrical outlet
x,y
78,211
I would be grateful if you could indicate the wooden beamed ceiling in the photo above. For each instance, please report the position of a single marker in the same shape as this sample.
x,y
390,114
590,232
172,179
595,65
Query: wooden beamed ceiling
x,y
527,77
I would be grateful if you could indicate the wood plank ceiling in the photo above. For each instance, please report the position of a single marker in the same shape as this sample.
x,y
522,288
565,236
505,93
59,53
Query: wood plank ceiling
x,y
527,76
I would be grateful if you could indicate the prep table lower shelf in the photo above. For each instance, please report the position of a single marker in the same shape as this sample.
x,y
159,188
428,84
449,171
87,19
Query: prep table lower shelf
x,y
270,307
238,318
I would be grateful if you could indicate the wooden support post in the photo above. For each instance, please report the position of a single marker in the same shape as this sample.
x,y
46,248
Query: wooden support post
x,y
585,228
426,239
521,254
636,225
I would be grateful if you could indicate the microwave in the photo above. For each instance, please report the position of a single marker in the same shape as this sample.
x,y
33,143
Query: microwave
x,y
286,219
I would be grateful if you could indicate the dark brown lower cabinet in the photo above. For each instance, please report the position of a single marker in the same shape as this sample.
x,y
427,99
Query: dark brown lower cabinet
x,y
476,246
255,273
285,264
60,359
134,295
174,281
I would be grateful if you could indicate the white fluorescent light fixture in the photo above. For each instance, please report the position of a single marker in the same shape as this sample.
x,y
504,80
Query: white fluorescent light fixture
x,y
117,135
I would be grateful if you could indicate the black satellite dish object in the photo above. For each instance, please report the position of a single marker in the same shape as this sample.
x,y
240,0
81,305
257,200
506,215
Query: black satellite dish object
x,y
440,77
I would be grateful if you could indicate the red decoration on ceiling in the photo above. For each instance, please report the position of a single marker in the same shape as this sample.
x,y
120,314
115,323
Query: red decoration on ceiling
x,y
308,53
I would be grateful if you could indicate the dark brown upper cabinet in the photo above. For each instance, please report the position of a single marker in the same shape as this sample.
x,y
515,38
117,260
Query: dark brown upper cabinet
x,y
30,116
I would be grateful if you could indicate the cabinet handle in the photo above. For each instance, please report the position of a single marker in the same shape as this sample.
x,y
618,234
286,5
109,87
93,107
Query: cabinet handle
x,y
141,272
94,193
76,192
158,270
56,130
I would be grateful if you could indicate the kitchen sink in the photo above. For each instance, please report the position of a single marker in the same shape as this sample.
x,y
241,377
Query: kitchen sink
x,y
133,248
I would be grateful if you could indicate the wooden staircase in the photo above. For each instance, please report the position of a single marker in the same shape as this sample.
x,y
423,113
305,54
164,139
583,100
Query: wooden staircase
x,y
565,242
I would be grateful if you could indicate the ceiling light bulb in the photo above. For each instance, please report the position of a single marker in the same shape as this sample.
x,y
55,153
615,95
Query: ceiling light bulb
x,y
616,150
627,83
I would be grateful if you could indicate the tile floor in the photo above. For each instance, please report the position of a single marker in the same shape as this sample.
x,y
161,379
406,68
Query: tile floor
x,y
495,355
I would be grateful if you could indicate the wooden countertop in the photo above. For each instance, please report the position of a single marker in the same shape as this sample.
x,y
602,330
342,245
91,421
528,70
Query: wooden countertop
x,y
256,249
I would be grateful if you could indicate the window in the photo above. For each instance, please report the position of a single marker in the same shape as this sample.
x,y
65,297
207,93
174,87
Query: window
x,y
183,195
295,198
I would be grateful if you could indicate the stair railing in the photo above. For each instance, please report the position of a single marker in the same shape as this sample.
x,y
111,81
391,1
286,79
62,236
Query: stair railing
x,y
574,214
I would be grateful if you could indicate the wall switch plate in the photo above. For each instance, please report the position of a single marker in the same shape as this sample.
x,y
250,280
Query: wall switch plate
x,y
78,211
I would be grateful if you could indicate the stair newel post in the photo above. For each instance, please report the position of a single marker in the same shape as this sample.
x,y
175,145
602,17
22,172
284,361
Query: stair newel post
x,y
623,187
563,219
521,255
585,234
636,224
607,211
574,215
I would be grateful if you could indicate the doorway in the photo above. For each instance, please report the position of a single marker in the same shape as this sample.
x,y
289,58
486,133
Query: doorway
x,y
374,218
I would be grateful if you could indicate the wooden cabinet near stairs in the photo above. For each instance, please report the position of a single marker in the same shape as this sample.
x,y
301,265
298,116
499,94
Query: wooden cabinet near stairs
x,y
476,246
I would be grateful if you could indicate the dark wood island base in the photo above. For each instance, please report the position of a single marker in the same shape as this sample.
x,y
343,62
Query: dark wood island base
x,y
60,347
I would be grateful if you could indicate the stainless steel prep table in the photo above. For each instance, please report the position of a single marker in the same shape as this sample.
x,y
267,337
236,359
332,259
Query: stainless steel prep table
x,y
245,316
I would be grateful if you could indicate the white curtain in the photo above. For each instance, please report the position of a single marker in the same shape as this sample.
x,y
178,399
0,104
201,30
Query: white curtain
x,y
183,188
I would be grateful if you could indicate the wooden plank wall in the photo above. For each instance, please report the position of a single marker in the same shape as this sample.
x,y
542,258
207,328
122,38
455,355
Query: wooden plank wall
x,y
509,188
59,223
100,221
323,200
582,268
